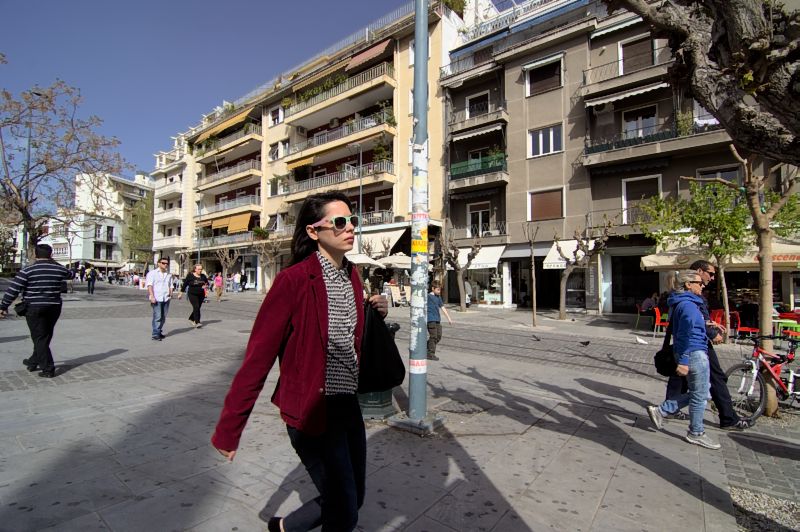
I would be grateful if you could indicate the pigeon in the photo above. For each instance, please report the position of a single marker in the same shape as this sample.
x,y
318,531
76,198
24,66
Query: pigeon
x,y
584,344
536,338
640,341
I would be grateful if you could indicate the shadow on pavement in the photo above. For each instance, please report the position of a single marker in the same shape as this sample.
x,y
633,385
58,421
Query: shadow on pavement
x,y
762,444
13,339
73,363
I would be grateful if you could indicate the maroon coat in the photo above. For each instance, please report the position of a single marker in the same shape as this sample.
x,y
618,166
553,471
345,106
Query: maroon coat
x,y
292,325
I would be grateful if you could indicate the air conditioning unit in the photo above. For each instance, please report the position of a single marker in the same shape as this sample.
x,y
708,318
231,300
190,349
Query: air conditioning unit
x,y
603,109
301,130
334,122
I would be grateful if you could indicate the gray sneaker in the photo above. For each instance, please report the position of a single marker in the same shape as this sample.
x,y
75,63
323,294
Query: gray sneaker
x,y
655,416
702,440
680,415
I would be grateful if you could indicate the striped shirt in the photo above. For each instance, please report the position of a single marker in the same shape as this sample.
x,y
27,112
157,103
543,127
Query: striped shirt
x,y
341,365
40,284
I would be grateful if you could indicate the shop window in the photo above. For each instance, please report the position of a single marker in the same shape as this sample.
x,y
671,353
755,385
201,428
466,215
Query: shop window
x,y
546,205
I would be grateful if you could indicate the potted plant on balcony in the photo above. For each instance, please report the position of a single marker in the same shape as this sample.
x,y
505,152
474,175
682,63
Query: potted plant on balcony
x,y
260,233
287,102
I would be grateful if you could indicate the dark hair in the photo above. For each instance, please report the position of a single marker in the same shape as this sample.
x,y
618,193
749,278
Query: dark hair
x,y
43,251
312,211
701,265
435,284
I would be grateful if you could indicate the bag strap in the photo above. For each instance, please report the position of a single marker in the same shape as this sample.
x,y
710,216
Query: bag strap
x,y
667,336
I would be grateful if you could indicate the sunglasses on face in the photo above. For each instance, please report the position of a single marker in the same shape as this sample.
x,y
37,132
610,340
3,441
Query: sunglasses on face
x,y
695,282
339,222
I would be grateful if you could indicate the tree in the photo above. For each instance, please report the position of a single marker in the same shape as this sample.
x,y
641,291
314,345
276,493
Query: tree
x,y
227,257
587,246
450,254
44,144
268,251
717,220
139,237
741,61
530,235
8,245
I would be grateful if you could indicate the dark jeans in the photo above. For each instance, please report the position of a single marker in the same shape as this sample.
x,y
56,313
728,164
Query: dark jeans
x,y
90,286
434,336
41,323
719,390
160,309
336,462
197,302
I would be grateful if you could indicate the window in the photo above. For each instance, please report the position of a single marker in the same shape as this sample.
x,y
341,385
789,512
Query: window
x,y
412,51
275,116
97,250
273,152
636,54
545,140
411,102
635,191
544,75
478,219
109,250
639,123
180,204
284,147
477,105
546,205
702,118
110,233
169,232
98,231
730,173
319,172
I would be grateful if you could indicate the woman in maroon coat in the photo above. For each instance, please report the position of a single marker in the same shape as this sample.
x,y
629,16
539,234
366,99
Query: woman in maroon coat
x,y
312,321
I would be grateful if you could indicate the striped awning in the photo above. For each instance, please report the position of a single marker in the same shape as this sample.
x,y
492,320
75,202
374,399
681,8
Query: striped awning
x,y
368,54
238,223
203,224
301,162
476,132
624,94
219,223
222,126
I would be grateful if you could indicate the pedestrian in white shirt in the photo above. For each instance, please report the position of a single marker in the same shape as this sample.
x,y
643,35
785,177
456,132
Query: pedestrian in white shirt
x,y
159,290
237,282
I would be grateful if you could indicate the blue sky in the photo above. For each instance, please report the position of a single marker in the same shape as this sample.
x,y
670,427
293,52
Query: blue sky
x,y
151,68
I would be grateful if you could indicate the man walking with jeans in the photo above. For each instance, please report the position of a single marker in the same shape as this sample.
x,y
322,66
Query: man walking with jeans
x,y
41,284
159,290
435,304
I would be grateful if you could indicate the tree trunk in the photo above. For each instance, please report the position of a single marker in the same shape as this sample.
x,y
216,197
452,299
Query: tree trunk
x,y
562,297
462,299
764,237
263,277
533,290
723,290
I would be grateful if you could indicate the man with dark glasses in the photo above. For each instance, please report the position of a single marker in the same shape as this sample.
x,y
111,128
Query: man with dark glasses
x,y
159,290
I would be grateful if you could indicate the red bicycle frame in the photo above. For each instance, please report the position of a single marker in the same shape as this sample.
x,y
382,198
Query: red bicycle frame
x,y
776,368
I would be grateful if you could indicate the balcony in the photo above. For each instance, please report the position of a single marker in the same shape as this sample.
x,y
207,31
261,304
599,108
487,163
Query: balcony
x,y
478,115
168,216
377,218
252,201
654,140
166,161
170,190
224,240
483,231
242,170
377,75
108,239
612,76
362,128
167,242
368,174
481,173
213,147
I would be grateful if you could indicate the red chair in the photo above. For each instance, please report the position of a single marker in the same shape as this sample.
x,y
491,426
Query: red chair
x,y
659,322
737,326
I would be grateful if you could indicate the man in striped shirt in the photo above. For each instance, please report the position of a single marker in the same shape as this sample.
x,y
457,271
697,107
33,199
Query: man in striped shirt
x,y
41,285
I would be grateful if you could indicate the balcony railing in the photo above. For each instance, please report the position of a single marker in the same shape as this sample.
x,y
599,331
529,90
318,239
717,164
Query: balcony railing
x,y
659,56
170,188
111,239
170,214
346,174
657,133
377,217
167,241
252,164
238,238
462,65
492,163
232,204
506,17
627,216
476,111
361,124
484,230
248,129
352,82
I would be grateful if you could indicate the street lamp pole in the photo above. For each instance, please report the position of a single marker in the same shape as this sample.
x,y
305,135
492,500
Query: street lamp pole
x,y
199,221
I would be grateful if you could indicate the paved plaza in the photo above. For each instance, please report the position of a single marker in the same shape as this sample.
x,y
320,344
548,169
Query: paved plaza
x,y
541,431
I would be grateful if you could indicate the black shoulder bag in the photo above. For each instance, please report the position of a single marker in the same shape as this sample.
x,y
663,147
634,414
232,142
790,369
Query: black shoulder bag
x,y
381,368
664,359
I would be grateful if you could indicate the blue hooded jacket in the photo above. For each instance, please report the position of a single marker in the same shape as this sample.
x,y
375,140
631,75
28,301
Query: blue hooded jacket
x,y
688,325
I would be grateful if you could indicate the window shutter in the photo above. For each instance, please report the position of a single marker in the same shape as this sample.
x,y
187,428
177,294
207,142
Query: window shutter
x,y
546,205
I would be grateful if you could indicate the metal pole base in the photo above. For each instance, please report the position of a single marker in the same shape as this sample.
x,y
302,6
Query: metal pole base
x,y
424,427
376,405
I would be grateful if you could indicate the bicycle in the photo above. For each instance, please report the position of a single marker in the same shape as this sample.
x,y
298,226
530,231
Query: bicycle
x,y
747,384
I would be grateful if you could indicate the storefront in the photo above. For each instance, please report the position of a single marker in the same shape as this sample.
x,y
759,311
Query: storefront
x,y
486,277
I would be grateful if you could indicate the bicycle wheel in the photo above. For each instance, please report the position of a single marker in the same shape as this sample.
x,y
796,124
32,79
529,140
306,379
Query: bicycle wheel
x,y
747,405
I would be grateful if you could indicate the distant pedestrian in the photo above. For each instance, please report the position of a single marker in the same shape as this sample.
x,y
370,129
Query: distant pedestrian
x,y
40,284
435,304
237,282
159,290
218,282
244,282
195,286
82,272
91,279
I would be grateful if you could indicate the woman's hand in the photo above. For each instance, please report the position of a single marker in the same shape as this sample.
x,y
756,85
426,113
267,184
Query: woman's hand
x,y
380,303
682,370
227,454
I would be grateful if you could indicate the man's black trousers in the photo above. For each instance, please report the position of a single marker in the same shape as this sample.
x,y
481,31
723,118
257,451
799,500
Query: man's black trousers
x,y
41,323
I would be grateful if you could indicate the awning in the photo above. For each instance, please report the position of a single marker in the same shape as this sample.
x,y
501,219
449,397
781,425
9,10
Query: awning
x,y
523,251
220,222
318,76
625,94
482,193
238,223
476,132
203,224
615,27
487,257
301,162
368,54
554,261
544,61
222,126
376,238
785,257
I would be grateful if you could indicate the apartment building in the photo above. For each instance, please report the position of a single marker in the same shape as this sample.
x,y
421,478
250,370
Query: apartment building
x,y
340,121
560,116
94,231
